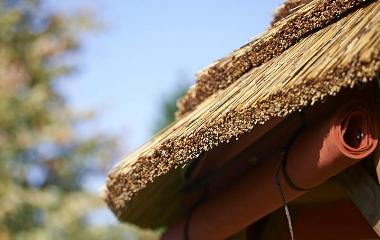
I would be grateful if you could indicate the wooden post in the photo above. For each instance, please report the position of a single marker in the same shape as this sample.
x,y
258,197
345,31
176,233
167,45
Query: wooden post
x,y
377,164
364,191
377,110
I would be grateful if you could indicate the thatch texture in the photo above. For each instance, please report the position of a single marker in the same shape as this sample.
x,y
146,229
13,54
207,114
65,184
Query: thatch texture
x,y
293,69
287,8
222,73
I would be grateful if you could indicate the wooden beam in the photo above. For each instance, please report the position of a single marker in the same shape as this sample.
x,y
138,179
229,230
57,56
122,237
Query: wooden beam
x,y
377,110
377,165
364,191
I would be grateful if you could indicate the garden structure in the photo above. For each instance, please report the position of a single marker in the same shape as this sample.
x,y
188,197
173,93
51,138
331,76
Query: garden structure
x,y
277,140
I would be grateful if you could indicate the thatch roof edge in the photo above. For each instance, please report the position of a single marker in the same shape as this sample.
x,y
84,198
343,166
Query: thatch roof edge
x,y
310,18
121,187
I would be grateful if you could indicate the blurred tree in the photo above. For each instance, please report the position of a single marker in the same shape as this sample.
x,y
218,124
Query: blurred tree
x,y
168,106
43,160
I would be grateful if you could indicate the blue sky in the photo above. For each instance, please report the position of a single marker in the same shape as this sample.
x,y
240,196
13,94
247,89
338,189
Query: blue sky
x,y
147,49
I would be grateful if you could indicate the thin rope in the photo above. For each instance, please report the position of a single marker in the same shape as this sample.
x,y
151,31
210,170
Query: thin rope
x,y
286,176
286,151
279,188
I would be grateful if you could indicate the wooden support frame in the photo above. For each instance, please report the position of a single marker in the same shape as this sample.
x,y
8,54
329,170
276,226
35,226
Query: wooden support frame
x,y
377,104
377,166
376,157
376,161
364,191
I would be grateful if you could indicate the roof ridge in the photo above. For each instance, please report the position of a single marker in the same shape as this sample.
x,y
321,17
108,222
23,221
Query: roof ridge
x,y
284,34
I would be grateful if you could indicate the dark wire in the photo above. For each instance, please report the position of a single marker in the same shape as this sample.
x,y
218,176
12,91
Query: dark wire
x,y
278,185
186,235
286,151
286,176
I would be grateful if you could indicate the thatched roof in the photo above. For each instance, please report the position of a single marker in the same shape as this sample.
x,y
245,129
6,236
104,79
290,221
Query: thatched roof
x,y
306,21
315,52
287,8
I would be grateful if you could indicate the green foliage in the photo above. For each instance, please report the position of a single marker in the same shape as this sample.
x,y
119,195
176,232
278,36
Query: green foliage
x,y
43,160
169,107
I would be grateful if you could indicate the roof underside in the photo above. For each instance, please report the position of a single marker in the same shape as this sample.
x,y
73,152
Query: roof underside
x,y
287,68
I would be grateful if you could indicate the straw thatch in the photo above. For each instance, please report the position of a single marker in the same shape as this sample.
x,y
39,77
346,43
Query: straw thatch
x,y
222,73
291,66
287,8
